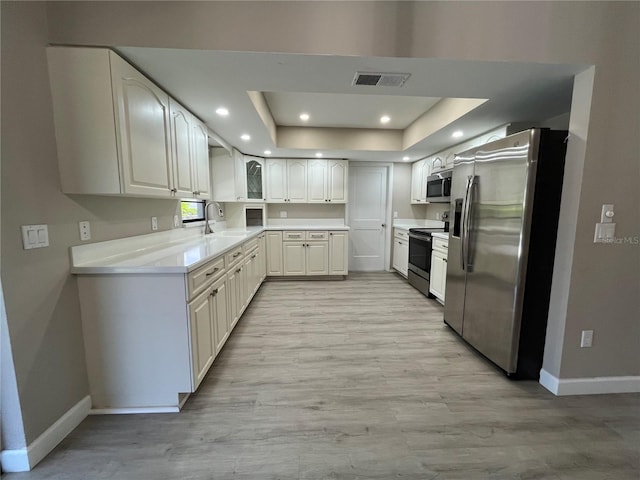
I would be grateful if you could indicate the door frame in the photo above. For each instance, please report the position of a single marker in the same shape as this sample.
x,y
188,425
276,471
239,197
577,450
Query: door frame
x,y
388,235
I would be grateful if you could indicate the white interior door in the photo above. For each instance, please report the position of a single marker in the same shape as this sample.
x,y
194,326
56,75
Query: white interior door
x,y
367,212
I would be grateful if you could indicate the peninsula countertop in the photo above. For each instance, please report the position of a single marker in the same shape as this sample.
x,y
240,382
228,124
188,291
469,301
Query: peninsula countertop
x,y
172,251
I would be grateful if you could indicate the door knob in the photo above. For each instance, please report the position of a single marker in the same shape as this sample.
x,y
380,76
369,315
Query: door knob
x,y
384,225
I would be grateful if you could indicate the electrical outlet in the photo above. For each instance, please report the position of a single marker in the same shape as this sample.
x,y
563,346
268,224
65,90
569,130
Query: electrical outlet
x,y
154,223
85,230
395,214
438,215
587,338
176,221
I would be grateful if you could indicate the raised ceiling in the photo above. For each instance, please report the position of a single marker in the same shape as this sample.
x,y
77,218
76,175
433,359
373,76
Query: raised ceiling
x,y
322,85
346,110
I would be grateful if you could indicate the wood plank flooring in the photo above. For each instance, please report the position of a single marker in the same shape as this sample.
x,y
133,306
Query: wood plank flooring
x,y
356,379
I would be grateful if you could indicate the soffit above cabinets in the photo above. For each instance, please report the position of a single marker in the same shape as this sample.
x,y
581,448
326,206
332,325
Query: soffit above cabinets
x,y
266,92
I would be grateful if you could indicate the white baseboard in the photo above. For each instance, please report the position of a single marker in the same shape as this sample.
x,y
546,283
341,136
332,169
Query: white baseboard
x,y
131,410
589,386
24,459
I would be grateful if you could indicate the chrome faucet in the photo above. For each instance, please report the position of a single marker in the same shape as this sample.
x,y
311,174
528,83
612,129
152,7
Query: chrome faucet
x,y
207,227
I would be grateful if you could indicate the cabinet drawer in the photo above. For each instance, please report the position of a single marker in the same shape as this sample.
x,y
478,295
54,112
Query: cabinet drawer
x,y
293,235
315,235
234,256
199,279
403,234
249,245
441,245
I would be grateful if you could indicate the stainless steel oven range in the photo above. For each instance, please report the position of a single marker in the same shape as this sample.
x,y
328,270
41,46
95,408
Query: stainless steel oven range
x,y
420,243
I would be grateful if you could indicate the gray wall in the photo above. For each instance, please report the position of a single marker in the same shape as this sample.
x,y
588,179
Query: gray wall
x,y
41,297
306,211
600,290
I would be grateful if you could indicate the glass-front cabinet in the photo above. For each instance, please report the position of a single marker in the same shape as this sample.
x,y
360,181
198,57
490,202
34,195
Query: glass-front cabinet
x,y
254,171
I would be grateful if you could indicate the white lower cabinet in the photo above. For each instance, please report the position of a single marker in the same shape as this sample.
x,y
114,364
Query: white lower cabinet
x,y
437,284
203,345
307,253
273,254
401,251
150,339
338,253
236,294
294,258
219,309
317,257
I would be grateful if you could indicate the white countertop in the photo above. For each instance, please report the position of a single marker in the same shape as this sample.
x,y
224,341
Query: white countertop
x,y
172,251
442,235
406,224
306,227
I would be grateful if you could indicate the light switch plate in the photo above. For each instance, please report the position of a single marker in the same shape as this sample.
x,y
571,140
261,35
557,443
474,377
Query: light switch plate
x,y
605,233
586,340
35,236
154,223
176,221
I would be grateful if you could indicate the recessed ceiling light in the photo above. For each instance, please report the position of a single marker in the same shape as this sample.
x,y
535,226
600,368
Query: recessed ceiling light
x,y
385,119
457,134
246,137
267,152
318,154
304,117
223,112
406,159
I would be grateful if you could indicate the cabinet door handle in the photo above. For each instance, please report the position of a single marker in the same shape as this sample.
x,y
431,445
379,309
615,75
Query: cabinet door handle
x,y
445,260
239,270
330,233
174,190
211,273
253,256
214,292
237,254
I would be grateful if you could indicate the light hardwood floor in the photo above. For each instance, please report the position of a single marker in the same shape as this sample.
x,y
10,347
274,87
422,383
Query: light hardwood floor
x,y
356,379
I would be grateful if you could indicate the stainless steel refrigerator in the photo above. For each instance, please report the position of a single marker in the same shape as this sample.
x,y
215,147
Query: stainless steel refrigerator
x,y
505,201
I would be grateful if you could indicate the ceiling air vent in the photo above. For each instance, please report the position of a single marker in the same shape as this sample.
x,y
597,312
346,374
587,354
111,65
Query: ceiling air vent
x,y
380,79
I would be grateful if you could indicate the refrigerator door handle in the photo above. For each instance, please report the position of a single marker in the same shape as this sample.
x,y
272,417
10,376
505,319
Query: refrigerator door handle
x,y
463,225
472,185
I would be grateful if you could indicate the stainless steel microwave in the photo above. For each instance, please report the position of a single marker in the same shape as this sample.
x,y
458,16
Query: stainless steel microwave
x,y
439,187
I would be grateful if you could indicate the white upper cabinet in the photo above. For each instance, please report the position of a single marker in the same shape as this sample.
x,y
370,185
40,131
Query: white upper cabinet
x,y
338,180
317,181
276,180
254,168
181,149
117,133
297,180
286,180
419,173
327,181
229,178
200,160
142,126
